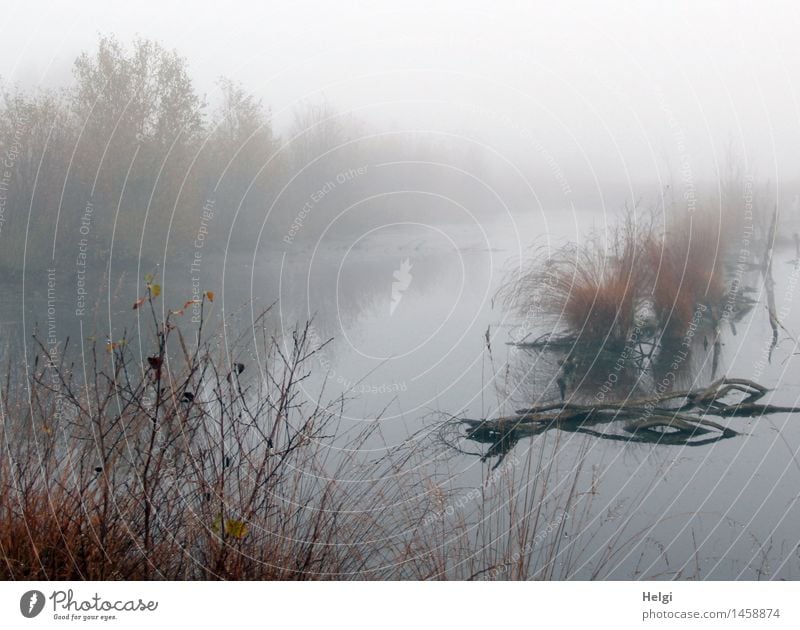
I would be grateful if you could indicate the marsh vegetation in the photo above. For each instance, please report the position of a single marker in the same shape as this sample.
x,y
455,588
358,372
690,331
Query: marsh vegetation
x,y
242,351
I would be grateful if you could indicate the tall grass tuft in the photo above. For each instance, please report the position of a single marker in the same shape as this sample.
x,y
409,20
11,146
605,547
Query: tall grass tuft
x,y
592,290
687,264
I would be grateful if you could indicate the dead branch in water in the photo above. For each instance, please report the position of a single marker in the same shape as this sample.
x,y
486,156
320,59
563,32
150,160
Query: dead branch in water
x,y
671,418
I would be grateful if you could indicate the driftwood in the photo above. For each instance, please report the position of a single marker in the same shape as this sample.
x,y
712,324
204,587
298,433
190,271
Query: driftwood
x,y
671,418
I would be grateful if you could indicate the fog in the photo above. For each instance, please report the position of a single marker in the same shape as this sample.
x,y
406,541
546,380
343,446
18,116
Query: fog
x,y
612,93
358,257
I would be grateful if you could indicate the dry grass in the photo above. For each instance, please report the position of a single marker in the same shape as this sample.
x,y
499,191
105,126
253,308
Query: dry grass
x,y
175,467
592,290
687,264
640,278
171,464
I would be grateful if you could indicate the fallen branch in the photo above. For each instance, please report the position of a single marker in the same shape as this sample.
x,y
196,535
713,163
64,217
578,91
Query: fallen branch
x,y
654,419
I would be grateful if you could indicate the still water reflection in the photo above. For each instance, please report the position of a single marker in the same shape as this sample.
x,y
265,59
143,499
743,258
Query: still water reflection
x,y
416,338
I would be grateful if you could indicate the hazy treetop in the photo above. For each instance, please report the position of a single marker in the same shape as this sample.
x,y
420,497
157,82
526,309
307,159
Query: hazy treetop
x,y
617,86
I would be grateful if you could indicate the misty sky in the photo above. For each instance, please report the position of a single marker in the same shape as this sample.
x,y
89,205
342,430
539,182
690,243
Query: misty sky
x,y
625,91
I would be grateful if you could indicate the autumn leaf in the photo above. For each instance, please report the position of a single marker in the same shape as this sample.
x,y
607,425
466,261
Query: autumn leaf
x,y
236,529
210,296
148,278
155,290
138,303
233,528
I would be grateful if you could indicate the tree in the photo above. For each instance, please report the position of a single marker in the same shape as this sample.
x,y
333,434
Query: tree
x,y
141,125
36,139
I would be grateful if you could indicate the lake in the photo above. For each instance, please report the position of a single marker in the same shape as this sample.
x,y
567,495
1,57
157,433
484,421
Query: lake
x,y
417,338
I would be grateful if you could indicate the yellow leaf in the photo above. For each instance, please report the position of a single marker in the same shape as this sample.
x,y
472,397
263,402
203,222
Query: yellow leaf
x,y
148,278
155,290
235,528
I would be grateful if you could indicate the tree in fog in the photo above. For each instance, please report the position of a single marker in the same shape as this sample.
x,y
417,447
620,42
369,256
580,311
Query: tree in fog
x,y
36,139
241,162
141,124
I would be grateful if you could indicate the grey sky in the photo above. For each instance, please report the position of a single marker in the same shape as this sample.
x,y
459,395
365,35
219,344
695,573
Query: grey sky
x,y
623,90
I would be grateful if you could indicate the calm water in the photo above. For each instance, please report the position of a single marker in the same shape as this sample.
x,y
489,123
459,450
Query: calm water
x,y
416,336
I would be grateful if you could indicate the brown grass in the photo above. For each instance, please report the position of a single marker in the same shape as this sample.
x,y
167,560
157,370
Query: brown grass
x,y
598,291
124,476
591,290
687,264
174,467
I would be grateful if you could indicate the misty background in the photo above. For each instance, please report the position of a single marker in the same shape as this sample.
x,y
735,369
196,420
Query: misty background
x,y
220,148
606,89
380,170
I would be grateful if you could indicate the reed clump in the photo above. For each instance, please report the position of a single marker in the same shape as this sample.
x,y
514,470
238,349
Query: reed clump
x,y
687,263
639,283
592,290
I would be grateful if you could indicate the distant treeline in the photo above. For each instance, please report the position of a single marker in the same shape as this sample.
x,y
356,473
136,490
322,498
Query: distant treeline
x,y
130,159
